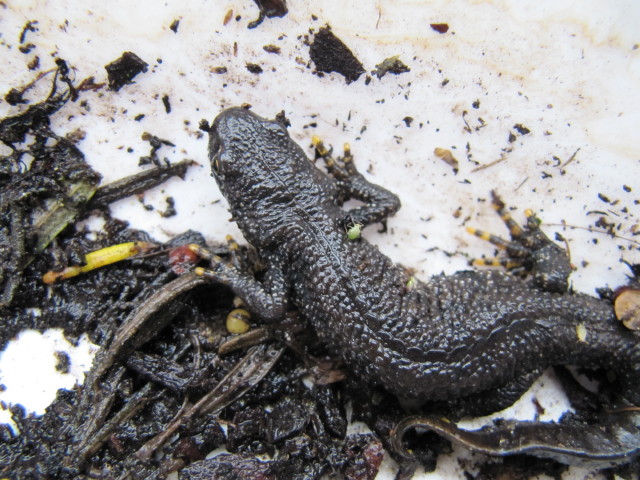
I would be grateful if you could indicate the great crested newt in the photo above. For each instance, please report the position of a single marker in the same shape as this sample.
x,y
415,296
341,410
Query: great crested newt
x,y
477,336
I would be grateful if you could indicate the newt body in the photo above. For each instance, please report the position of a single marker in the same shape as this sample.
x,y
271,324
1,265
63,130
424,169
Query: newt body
x,y
474,334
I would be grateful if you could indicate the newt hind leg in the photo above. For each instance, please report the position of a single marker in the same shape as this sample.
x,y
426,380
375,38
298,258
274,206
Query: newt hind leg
x,y
529,251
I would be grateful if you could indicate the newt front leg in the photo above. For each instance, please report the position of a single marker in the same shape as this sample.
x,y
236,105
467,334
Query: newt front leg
x,y
379,203
267,300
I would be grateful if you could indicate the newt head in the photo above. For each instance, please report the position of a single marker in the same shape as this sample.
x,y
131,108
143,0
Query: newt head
x,y
264,175
243,145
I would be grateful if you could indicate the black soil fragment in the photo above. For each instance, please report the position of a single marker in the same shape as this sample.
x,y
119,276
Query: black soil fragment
x,y
34,63
30,26
156,143
269,9
123,70
167,103
174,25
170,211
604,198
26,48
329,54
14,97
228,467
63,362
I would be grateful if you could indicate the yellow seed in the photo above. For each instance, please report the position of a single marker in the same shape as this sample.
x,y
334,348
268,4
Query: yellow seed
x,y
581,332
238,321
446,156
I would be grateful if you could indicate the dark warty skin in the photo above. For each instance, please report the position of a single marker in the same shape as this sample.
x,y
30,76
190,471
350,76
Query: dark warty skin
x,y
474,334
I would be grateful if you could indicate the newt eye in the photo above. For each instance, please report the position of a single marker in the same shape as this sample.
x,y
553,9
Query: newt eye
x,y
215,164
214,147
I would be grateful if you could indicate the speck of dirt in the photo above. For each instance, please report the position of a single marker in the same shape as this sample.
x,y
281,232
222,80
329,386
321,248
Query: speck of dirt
x,y
271,49
123,70
254,68
63,362
440,27
166,103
